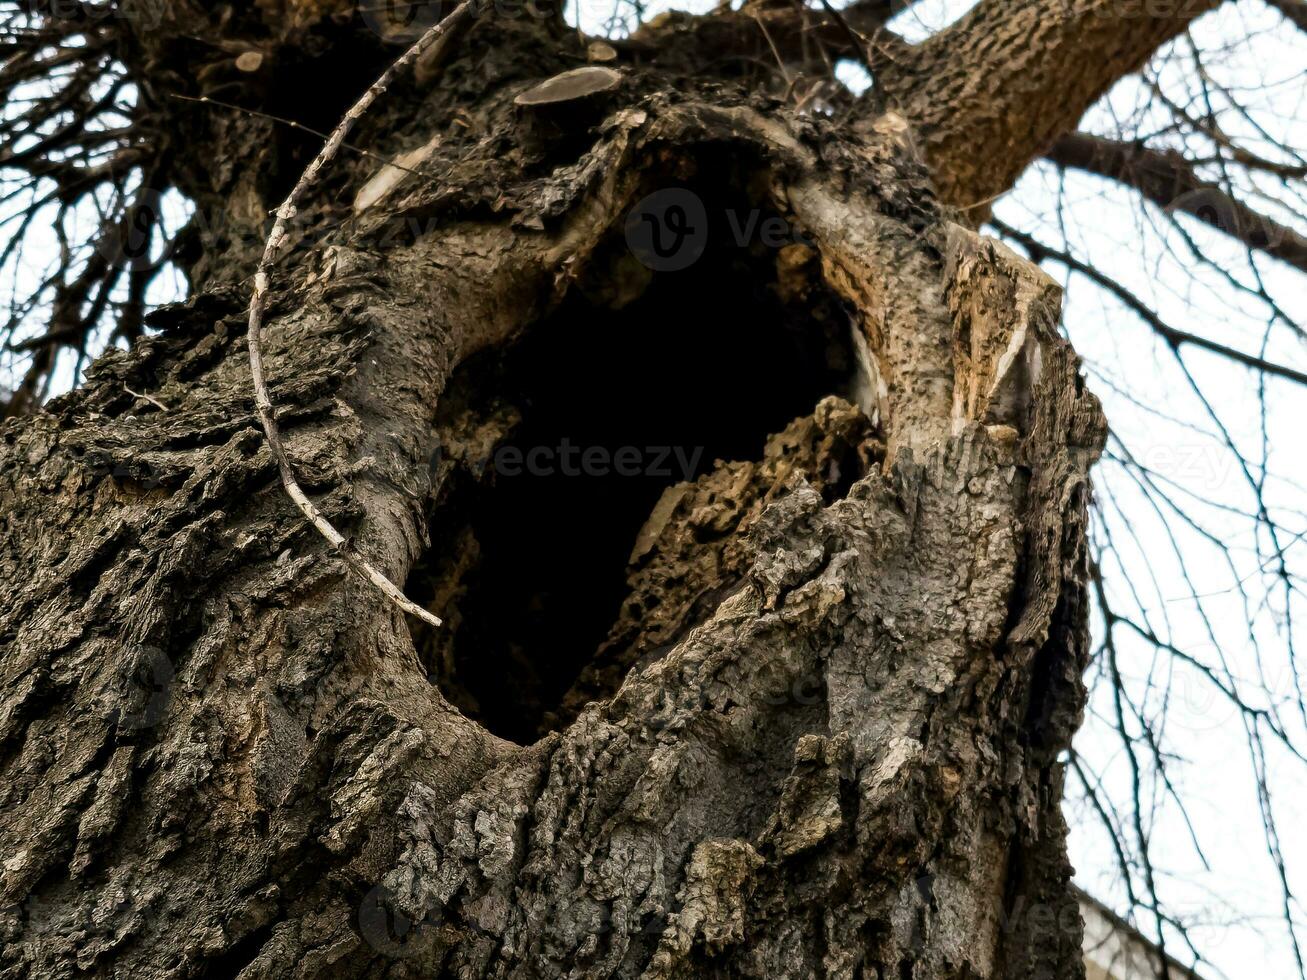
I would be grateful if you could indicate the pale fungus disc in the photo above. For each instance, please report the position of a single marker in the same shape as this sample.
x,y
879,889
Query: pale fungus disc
x,y
579,83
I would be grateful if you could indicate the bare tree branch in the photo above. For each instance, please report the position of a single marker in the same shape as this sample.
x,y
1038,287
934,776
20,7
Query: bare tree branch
x,y
1168,180
795,33
1039,251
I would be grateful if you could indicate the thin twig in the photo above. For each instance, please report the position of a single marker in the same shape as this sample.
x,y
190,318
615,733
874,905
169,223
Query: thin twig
x,y
780,62
258,303
206,100
1168,333
149,398
856,41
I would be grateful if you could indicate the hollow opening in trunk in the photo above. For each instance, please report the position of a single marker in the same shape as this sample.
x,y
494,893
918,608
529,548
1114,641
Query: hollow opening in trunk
x,y
556,449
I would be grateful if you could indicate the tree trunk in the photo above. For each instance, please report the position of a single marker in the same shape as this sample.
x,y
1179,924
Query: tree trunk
x,y
794,710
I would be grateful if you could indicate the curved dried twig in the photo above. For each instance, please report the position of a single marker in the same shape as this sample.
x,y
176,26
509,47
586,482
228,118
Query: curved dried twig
x,y
259,301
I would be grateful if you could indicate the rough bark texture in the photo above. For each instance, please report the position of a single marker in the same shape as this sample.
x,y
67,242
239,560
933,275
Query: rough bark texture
x,y
993,91
831,751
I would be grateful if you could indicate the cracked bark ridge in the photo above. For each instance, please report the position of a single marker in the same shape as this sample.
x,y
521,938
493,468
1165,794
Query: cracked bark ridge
x,y
692,552
221,756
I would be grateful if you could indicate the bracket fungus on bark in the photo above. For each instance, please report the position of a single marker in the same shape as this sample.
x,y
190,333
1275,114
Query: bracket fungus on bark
x,y
600,51
560,111
568,86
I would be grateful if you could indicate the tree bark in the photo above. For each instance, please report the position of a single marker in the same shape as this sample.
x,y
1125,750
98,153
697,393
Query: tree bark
x,y
833,748
993,91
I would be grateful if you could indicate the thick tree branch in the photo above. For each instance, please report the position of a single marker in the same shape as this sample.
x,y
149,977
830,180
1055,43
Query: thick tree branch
x,y
1169,181
992,92
797,34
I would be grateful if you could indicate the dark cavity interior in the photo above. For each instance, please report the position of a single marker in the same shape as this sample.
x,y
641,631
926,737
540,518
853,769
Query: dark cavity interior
x,y
529,544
